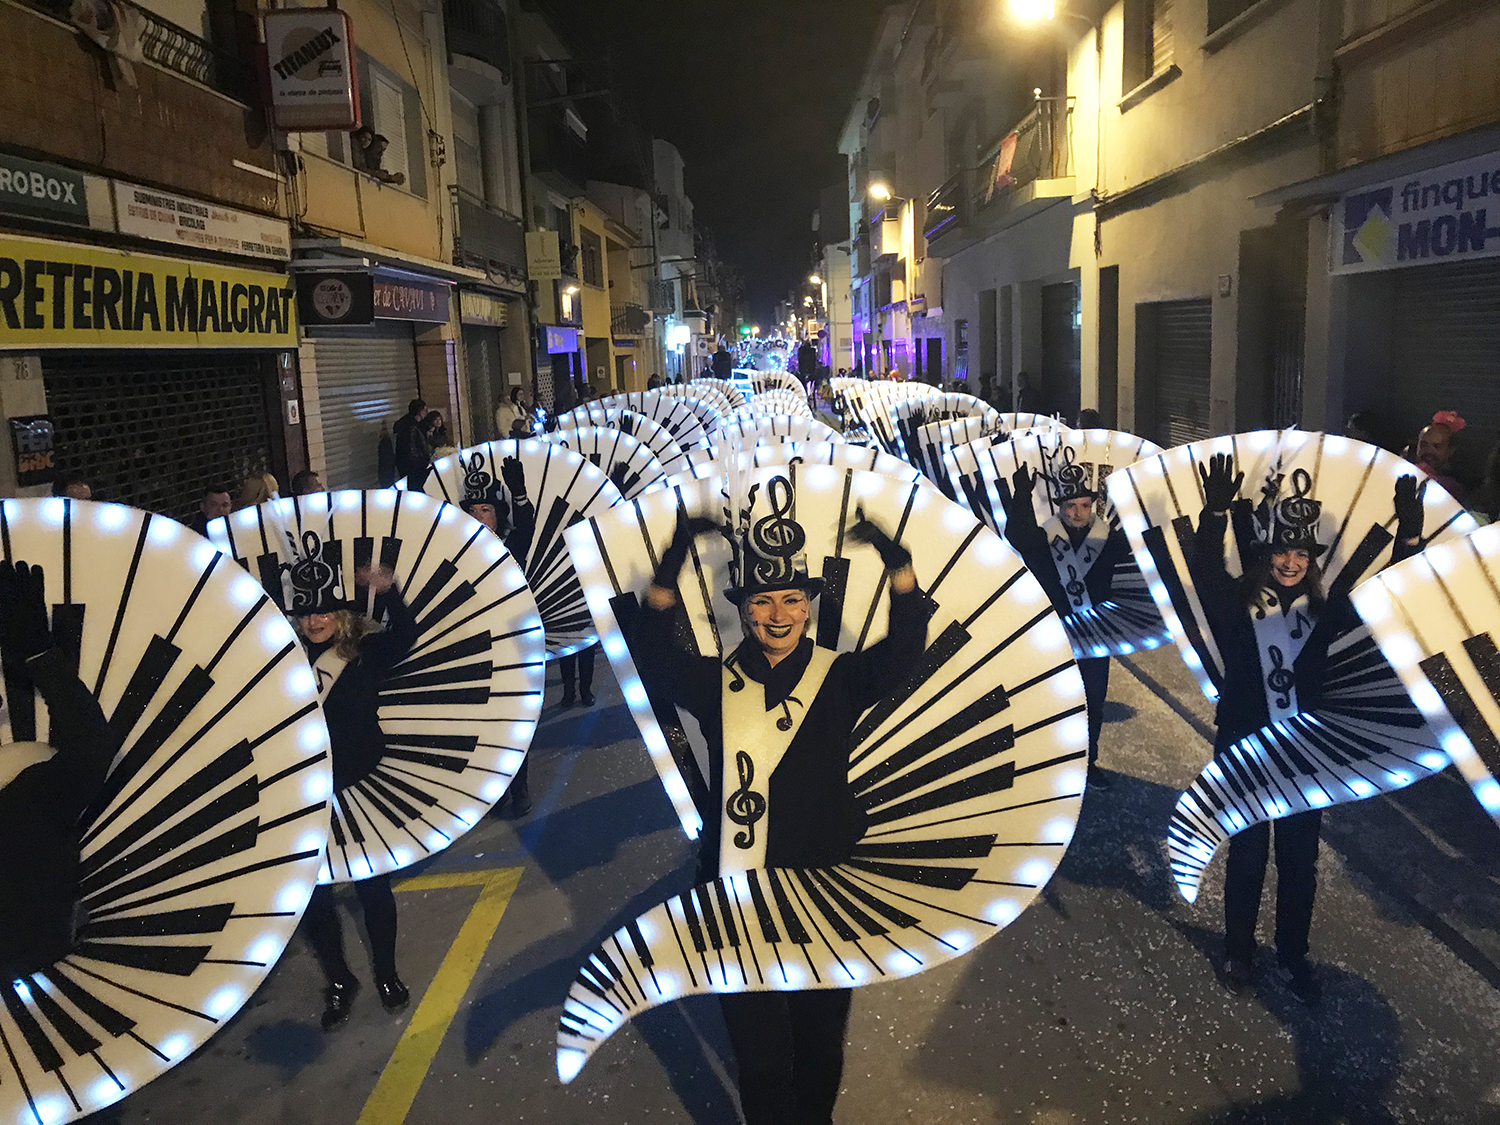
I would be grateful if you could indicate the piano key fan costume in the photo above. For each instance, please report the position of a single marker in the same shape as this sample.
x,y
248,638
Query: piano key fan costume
x,y
683,419
745,431
1436,618
630,465
838,454
1335,498
780,400
1109,611
913,414
733,395
650,434
709,403
545,488
155,866
963,780
458,713
764,382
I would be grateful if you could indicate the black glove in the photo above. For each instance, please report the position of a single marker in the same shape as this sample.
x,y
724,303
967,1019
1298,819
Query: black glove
x,y
1409,508
514,476
892,554
1220,482
619,473
1022,481
24,631
672,559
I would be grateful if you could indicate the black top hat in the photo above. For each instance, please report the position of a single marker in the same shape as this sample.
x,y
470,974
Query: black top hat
x,y
482,488
1070,481
1290,523
313,579
768,553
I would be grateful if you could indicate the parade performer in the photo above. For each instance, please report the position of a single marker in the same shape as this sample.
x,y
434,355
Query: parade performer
x,y
1273,626
1074,555
352,659
781,799
44,786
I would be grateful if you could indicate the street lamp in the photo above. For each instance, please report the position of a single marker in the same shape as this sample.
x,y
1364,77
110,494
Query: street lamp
x,y
570,290
815,279
880,191
1032,11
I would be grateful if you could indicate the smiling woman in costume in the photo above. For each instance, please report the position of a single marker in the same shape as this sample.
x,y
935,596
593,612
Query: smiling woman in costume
x,y
778,714
352,658
1273,627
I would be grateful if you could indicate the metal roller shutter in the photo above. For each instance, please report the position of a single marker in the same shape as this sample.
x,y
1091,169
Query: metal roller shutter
x,y
1184,346
1445,350
151,429
1061,357
363,382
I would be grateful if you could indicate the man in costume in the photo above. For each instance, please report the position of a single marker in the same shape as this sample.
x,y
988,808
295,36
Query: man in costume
x,y
1273,627
1073,555
45,787
778,713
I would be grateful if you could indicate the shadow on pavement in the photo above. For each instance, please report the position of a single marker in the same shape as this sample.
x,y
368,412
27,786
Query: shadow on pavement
x,y
1119,840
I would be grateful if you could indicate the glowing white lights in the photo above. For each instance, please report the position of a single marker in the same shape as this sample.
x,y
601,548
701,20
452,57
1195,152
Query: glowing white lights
x,y
1058,830
245,591
300,682
1488,793
1034,872
111,517
312,736
317,786
276,634
265,950
635,693
223,1002
1361,787
293,898
1002,911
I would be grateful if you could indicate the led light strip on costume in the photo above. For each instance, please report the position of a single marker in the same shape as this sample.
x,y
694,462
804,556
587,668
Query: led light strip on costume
x,y
971,774
201,843
1436,618
779,400
1129,619
652,435
747,431
628,463
561,487
764,382
460,711
676,415
734,397
1365,736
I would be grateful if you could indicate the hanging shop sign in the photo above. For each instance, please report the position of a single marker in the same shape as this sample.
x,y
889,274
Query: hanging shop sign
x,y
560,341
42,191
406,298
31,438
160,215
543,256
482,308
61,295
1450,213
335,299
310,65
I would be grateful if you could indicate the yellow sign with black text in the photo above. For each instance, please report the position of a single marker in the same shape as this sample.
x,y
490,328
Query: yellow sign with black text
x,y
63,295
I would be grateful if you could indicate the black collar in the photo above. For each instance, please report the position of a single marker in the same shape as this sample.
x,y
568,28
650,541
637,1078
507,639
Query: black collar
x,y
779,681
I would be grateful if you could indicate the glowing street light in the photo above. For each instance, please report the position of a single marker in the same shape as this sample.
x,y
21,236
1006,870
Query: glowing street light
x,y
815,279
755,330
881,191
1032,11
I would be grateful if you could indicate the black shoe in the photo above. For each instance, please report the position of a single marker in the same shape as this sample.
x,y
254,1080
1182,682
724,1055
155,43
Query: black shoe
x,y
338,999
1302,981
1238,976
567,698
394,995
518,800
1098,779
586,698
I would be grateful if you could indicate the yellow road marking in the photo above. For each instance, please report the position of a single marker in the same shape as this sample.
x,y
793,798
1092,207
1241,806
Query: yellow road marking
x,y
391,1100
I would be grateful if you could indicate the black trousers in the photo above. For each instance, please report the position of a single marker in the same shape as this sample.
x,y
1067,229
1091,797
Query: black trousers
x,y
1095,673
1296,884
327,936
578,666
790,1049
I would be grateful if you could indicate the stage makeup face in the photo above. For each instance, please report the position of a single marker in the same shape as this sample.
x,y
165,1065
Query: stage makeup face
x,y
1078,513
319,627
1289,567
778,619
485,514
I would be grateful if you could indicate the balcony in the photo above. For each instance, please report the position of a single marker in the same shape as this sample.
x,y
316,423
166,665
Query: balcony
x,y
628,320
1024,171
559,155
489,240
477,28
178,50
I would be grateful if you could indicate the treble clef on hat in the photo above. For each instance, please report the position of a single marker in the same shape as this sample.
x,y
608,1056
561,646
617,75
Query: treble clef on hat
x,y
313,578
774,537
477,482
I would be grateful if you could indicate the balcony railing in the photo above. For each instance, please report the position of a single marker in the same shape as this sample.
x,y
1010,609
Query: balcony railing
x,y
490,241
628,320
178,50
477,28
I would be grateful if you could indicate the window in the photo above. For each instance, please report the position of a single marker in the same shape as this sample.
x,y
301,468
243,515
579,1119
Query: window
x,y
467,147
1221,12
1148,41
591,257
394,111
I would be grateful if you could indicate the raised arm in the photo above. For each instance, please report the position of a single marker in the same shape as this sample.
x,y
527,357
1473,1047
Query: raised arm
x,y
522,510
667,667
1220,486
384,650
880,669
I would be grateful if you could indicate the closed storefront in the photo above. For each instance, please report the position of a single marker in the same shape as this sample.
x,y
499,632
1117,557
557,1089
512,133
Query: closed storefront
x,y
1445,347
1061,358
1174,341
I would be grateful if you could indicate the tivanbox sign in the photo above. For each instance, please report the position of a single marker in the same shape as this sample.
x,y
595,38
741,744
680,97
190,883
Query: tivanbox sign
x,y
61,295
1449,213
310,59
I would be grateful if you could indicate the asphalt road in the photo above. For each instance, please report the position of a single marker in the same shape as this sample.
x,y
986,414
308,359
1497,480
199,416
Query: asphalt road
x,y
1098,1005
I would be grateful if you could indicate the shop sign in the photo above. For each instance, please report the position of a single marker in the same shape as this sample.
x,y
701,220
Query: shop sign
x,y
62,295
31,438
160,215
560,341
337,299
42,191
310,66
1439,215
403,298
482,308
543,256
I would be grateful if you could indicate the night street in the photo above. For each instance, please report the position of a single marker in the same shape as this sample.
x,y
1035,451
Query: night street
x,y
1099,1005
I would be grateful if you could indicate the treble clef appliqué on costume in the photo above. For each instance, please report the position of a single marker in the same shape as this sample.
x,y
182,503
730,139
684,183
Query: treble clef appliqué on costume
x,y
745,806
1074,588
1280,679
311,575
1297,516
477,482
776,539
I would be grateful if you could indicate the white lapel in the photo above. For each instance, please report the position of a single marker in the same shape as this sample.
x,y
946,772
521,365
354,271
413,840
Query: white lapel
x,y
1072,563
1279,635
328,668
755,741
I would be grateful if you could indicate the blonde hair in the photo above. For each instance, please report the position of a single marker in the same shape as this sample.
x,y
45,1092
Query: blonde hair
x,y
348,630
257,489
